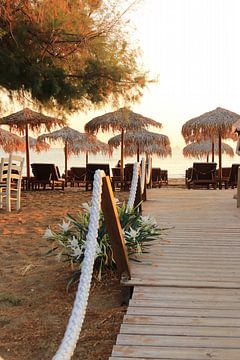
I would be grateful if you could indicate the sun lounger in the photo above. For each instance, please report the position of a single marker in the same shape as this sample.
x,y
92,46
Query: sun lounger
x,y
203,174
46,175
164,177
156,177
90,171
233,176
78,176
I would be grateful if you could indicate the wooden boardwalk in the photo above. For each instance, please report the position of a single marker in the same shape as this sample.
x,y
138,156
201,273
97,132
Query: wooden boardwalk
x,y
186,299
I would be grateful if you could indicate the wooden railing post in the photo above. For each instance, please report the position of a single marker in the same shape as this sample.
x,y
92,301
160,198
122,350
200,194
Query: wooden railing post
x,y
238,188
114,230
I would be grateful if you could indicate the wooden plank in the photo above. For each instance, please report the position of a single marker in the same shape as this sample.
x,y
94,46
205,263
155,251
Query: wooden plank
x,y
183,321
179,341
185,291
184,304
182,283
209,331
176,353
229,313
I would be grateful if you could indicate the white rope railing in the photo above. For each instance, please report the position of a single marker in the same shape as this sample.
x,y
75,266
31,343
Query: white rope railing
x,y
133,190
149,170
143,175
74,326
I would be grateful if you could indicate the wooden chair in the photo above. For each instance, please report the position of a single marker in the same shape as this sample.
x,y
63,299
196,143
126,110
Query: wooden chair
x,y
90,171
233,176
156,177
10,181
78,175
164,177
203,174
46,175
225,177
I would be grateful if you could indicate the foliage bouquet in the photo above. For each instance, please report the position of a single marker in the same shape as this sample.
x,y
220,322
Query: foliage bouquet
x,y
69,241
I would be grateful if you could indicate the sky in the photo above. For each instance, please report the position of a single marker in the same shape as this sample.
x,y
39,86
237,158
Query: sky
x,y
193,46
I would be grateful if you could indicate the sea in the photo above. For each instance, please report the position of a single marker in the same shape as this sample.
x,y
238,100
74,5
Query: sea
x,y
176,165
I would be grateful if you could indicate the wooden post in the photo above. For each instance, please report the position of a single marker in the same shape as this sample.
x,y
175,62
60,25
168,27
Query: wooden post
x,y
114,230
27,153
86,157
220,160
122,155
138,153
66,156
238,188
212,150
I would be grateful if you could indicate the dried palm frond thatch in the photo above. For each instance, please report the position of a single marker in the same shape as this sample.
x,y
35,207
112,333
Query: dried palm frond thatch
x,y
204,148
120,120
26,119
213,124
75,142
143,141
11,142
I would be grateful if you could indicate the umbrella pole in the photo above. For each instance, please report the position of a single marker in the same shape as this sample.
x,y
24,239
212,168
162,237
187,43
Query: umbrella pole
x,y
27,152
138,155
86,157
65,155
220,160
212,151
207,157
122,154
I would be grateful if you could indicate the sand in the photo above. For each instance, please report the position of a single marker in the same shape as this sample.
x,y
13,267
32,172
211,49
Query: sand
x,y
34,304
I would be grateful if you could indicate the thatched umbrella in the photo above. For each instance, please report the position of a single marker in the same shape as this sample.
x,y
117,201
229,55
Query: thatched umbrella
x,y
216,123
153,149
142,141
36,145
204,148
11,142
94,148
74,141
120,120
26,119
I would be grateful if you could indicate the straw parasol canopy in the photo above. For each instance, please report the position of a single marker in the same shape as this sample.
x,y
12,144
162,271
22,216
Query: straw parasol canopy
x,y
36,145
74,142
26,119
153,149
94,148
204,148
216,123
11,142
143,141
120,120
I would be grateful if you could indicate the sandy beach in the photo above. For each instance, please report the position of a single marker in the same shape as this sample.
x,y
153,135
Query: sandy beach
x,y
34,304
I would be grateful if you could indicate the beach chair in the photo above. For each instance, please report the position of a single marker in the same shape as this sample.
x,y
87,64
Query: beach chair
x,y
10,181
117,182
78,176
225,177
164,177
90,171
188,174
233,176
156,177
46,175
203,175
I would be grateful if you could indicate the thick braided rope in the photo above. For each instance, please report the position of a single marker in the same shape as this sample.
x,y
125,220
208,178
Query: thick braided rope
x,y
143,175
149,170
133,190
74,326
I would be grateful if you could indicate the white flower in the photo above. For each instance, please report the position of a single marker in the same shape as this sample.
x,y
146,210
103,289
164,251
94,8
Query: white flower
x,y
86,207
48,234
132,233
98,250
117,201
77,252
65,226
148,220
73,242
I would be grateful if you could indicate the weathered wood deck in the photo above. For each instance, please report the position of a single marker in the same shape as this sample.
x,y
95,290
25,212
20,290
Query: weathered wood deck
x,y
186,299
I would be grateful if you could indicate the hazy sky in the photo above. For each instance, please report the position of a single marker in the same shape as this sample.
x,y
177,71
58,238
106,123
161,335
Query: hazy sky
x,y
194,46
